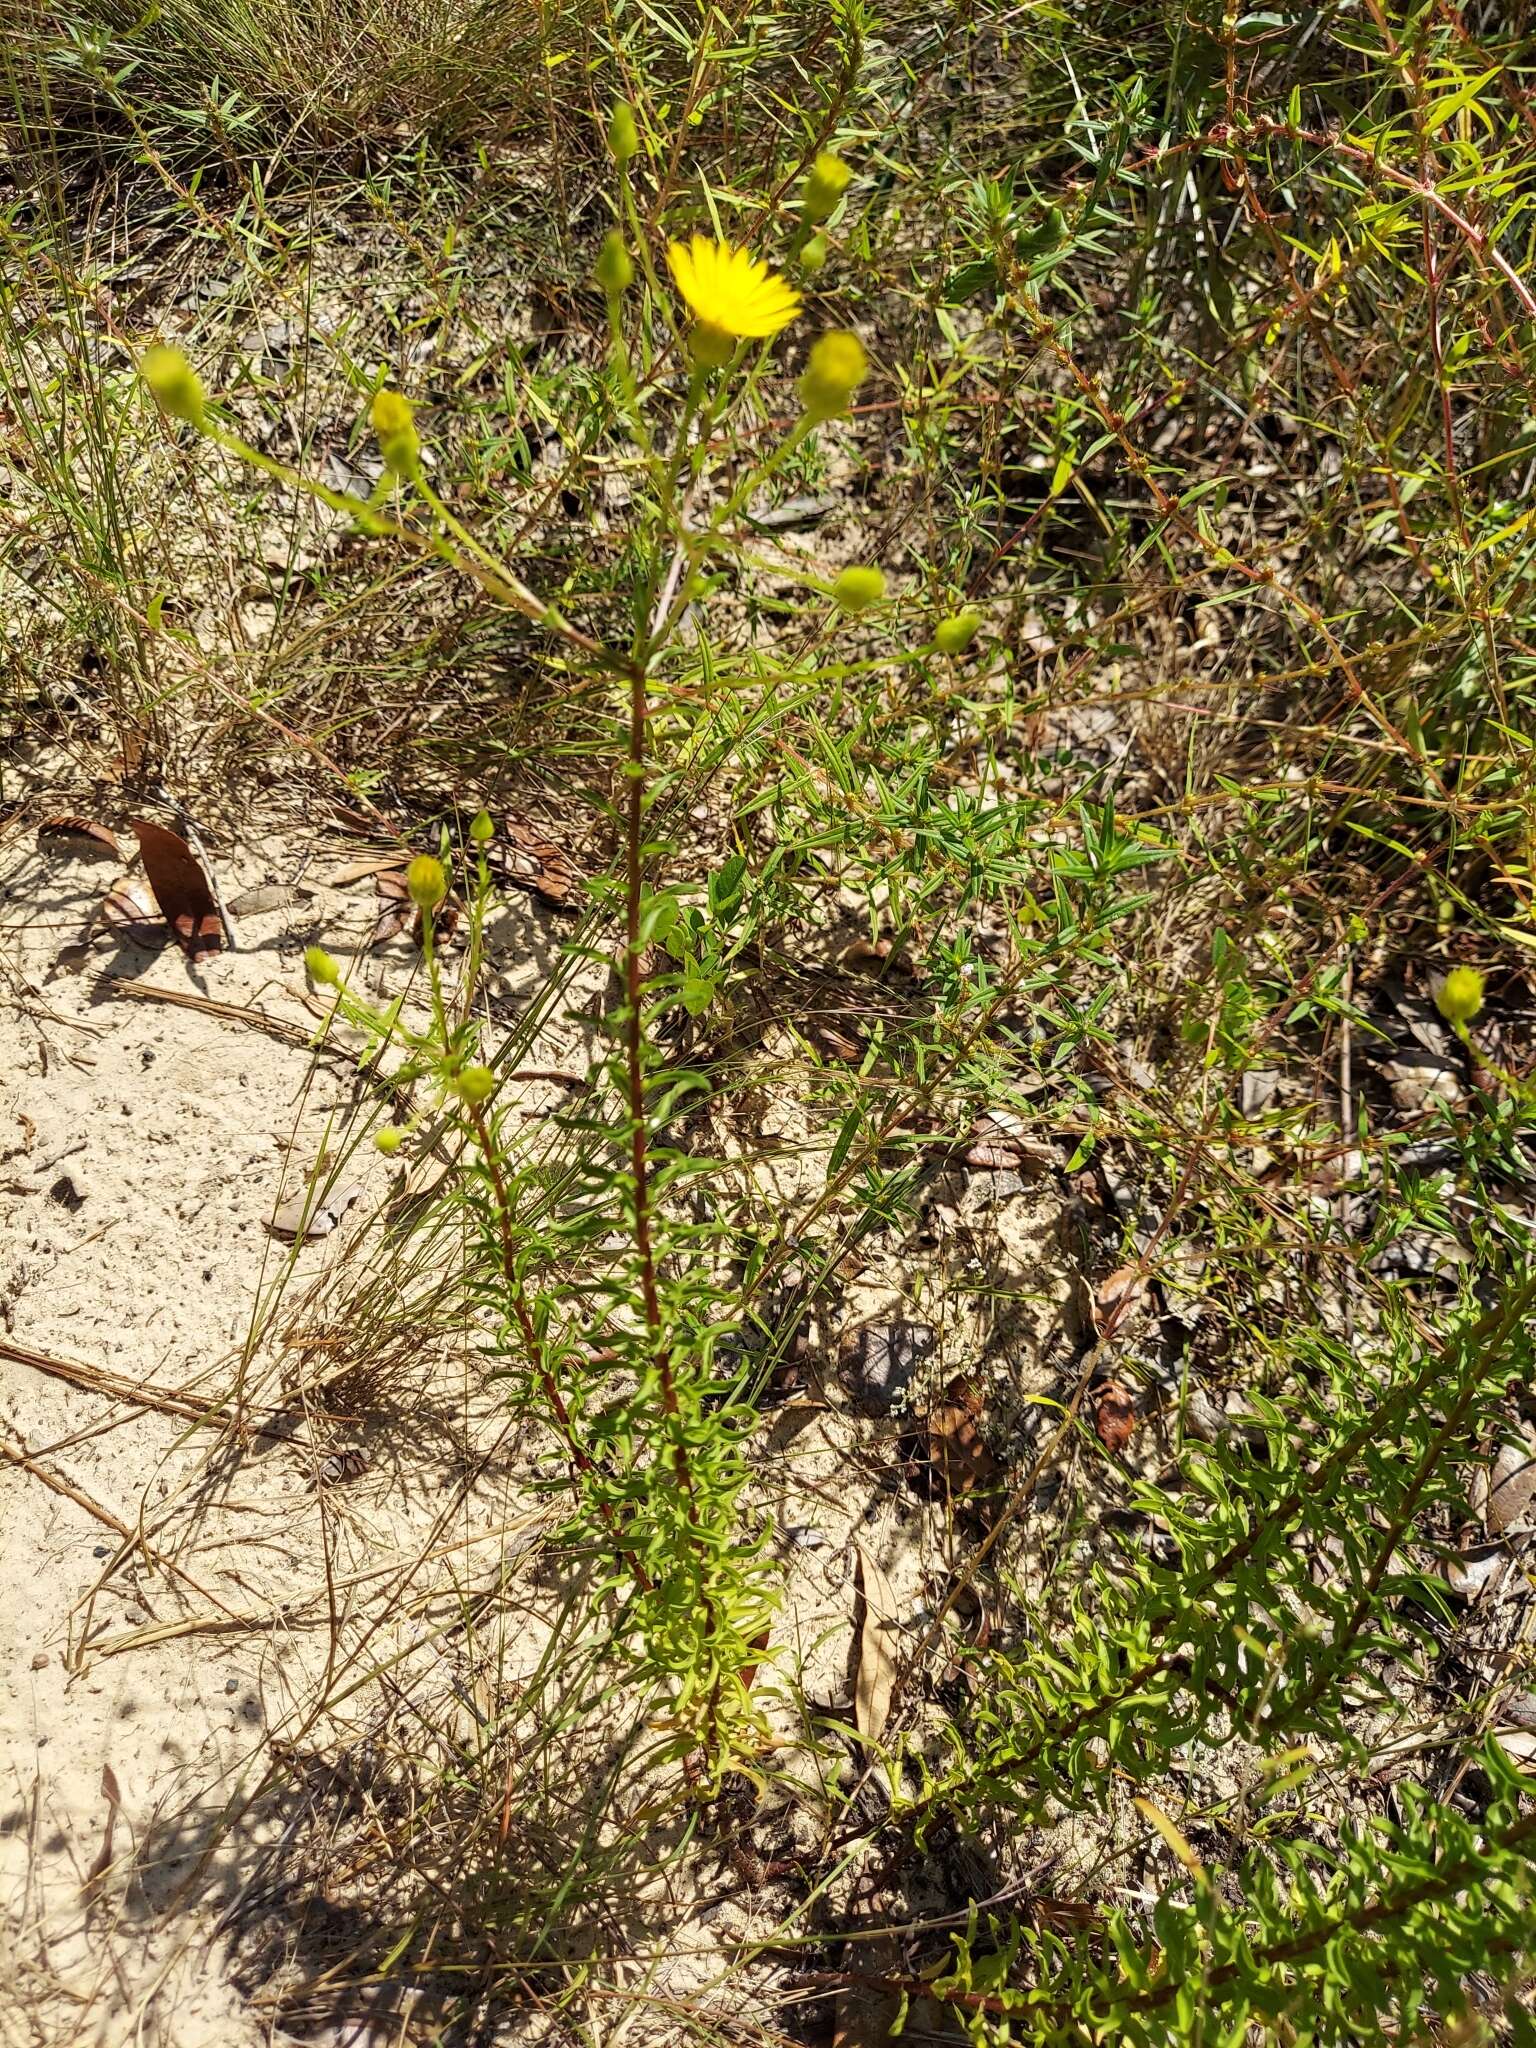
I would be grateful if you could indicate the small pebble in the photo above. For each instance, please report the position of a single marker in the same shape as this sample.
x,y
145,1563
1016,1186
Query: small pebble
x,y
100,1550
40,1661
231,1685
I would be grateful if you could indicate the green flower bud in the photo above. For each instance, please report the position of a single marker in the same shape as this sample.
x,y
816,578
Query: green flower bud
x,y
474,1085
857,589
394,428
615,272
827,183
838,366
813,254
710,347
321,968
481,830
425,882
623,134
953,635
389,1140
1460,996
175,384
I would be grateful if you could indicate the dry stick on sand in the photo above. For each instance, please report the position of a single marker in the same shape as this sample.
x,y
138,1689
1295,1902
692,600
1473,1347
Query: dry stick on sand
x,y
134,1538
92,1379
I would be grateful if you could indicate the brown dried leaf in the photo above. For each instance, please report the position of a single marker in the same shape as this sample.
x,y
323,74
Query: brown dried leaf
x,y
81,835
1115,1417
536,864
103,1861
1117,1297
956,1448
180,888
396,909
875,1681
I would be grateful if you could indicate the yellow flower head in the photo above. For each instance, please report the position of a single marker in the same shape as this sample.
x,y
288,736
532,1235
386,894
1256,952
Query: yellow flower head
x,y
731,292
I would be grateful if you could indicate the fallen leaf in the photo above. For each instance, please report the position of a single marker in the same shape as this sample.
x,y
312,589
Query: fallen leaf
x,y
956,1448
129,910
82,835
268,896
876,1678
996,1145
360,870
306,1218
180,888
536,864
1117,1297
1512,1488
103,1862
396,909
1114,1417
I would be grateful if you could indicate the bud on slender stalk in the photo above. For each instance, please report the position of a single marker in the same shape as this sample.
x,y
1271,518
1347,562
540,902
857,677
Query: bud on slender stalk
x,y
826,184
838,366
175,384
426,883
623,133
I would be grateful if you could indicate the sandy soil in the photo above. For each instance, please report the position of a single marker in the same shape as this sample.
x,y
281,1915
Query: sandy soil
x,y
164,1543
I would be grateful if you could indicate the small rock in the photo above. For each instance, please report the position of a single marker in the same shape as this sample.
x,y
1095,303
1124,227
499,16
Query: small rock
x,y
40,1661
881,1361
231,1685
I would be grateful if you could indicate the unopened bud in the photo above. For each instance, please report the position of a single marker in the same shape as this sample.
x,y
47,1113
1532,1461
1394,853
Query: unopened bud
x,y
393,420
838,366
623,133
1460,996
426,883
828,181
953,635
615,272
175,384
856,589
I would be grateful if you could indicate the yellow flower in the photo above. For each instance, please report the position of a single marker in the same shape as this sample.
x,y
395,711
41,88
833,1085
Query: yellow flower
x,y
730,293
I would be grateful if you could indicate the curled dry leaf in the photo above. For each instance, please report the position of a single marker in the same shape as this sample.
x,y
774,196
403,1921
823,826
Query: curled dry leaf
x,y
180,888
111,1792
81,836
1117,1297
875,1681
997,1142
1114,1416
536,864
128,910
956,1449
